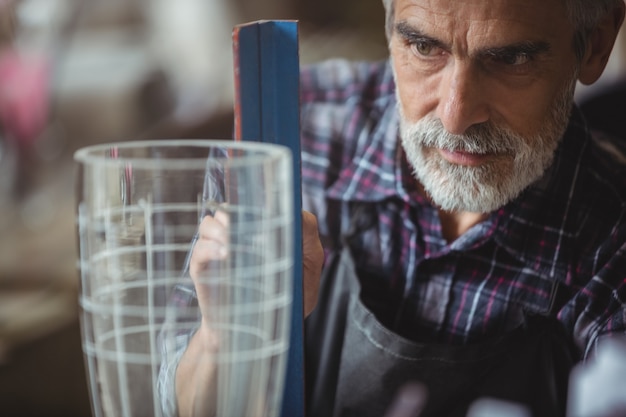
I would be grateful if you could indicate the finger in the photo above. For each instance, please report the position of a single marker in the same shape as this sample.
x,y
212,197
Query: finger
x,y
208,250
204,252
214,228
312,245
313,260
222,217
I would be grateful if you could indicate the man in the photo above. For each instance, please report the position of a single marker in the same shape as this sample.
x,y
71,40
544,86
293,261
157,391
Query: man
x,y
473,229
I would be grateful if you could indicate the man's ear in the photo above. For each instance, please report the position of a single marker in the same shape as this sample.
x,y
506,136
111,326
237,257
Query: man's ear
x,y
600,44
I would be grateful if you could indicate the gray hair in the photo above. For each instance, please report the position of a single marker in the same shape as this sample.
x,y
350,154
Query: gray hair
x,y
584,15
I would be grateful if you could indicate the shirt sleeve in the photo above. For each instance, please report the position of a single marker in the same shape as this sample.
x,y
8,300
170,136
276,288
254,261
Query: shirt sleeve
x,y
180,325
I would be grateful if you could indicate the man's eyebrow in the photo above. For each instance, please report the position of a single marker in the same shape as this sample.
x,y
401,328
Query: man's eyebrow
x,y
412,35
530,48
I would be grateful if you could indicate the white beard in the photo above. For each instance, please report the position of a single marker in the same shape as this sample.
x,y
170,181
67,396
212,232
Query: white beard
x,y
518,161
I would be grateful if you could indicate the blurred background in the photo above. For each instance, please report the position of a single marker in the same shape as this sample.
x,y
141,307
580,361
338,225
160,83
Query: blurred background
x,y
81,72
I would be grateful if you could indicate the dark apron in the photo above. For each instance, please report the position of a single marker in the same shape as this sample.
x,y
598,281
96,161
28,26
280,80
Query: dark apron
x,y
355,366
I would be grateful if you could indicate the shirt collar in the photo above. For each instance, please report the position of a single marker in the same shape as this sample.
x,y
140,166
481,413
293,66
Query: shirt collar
x,y
537,226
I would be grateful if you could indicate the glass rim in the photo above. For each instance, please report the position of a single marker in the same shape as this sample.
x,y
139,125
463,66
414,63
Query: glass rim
x,y
259,153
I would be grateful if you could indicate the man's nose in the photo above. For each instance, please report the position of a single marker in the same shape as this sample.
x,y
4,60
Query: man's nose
x,y
463,101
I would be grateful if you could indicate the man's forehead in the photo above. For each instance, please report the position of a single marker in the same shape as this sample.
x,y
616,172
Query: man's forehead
x,y
485,22
541,4
517,10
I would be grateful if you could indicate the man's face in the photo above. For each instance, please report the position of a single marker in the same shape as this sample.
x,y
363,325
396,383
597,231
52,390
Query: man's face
x,y
484,89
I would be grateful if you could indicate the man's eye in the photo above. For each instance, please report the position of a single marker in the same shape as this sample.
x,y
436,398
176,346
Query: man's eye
x,y
423,48
513,59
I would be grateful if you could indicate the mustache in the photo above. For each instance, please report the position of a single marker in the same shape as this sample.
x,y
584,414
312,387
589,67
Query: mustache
x,y
484,138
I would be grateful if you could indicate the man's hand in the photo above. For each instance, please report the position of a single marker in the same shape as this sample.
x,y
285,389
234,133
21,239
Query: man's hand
x,y
212,245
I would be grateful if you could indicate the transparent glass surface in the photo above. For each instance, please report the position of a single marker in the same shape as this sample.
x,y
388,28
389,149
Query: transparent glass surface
x,y
139,206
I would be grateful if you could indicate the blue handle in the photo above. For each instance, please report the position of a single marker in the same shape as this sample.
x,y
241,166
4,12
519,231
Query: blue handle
x,y
267,109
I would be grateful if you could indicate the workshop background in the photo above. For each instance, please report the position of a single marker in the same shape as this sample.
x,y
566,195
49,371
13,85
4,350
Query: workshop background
x,y
81,72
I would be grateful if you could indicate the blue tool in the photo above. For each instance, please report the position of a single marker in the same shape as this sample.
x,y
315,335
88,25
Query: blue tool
x,y
267,109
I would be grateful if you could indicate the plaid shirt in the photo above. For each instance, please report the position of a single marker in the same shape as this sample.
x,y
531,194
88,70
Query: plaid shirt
x,y
569,228
566,229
